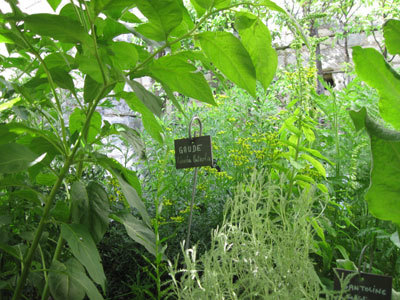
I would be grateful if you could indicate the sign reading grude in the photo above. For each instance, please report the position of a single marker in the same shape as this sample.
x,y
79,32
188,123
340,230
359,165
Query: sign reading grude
x,y
194,152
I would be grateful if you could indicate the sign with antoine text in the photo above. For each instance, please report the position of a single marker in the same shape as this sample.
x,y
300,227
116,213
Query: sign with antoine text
x,y
364,286
195,152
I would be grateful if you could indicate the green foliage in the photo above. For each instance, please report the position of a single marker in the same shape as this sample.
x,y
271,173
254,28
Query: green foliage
x,y
261,250
56,135
229,55
384,79
382,195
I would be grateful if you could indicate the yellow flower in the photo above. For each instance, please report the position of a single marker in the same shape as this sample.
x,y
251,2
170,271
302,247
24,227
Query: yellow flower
x,y
178,219
167,202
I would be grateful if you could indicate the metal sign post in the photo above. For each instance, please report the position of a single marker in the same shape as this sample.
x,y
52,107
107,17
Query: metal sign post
x,y
194,152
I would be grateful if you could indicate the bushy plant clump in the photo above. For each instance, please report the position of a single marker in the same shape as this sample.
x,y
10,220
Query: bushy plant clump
x,y
261,251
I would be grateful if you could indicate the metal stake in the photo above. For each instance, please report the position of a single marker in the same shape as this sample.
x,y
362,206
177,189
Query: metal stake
x,y
195,118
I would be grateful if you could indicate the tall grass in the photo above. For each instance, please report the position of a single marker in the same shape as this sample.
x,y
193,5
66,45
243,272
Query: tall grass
x,y
261,251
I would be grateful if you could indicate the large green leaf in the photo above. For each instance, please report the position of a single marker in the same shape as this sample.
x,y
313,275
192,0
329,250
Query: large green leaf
x,y
16,158
58,60
229,55
181,76
79,202
62,79
113,8
132,136
84,249
139,232
90,66
132,197
69,281
91,89
112,166
62,285
54,3
207,4
383,195
383,78
257,40
108,29
19,128
77,120
391,32
151,101
125,55
163,16
58,27
271,5
9,104
150,123
97,219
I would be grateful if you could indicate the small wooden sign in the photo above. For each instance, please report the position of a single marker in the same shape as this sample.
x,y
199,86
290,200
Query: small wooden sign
x,y
195,152
366,286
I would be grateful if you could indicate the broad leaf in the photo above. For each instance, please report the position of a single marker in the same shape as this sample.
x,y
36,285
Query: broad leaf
x,y
199,9
228,54
69,281
62,79
62,285
54,3
139,232
19,128
90,66
208,4
113,8
91,89
79,202
16,158
132,136
125,55
315,163
257,41
58,60
99,208
272,5
108,29
391,32
132,197
58,27
84,249
181,76
48,179
77,120
383,195
150,123
163,16
395,238
151,101
9,104
383,78
113,166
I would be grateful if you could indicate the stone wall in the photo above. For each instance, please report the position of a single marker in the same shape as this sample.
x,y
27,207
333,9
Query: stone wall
x,y
333,54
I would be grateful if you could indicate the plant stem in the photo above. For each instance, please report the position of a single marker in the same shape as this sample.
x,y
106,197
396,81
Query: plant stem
x,y
38,234
187,244
69,161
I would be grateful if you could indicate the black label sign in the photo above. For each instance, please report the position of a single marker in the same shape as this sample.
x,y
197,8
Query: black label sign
x,y
195,152
366,286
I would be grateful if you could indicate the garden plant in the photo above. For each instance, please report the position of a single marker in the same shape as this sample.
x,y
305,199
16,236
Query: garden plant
x,y
290,195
